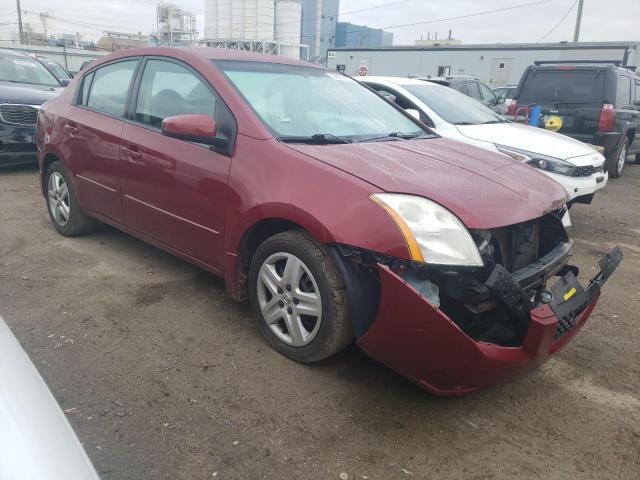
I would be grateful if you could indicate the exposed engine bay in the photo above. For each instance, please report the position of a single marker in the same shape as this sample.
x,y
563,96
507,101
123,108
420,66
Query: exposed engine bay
x,y
493,303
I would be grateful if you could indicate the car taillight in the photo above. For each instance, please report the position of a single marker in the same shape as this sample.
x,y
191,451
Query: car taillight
x,y
607,118
511,109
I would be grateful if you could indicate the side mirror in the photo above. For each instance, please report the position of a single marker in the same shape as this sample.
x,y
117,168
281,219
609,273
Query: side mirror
x,y
193,128
413,112
500,100
65,81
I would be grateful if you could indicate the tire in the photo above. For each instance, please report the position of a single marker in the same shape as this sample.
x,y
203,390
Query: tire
x,y
637,158
62,203
616,160
277,303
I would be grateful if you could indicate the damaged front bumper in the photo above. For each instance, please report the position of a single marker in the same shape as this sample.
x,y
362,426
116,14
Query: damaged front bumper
x,y
418,340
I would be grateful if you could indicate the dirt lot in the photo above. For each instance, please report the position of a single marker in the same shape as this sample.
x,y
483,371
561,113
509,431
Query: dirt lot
x,y
172,380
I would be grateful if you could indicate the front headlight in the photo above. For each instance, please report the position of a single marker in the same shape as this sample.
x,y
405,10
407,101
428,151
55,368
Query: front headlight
x,y
537,160
433,234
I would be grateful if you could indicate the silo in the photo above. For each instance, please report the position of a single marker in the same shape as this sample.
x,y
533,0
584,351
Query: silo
x,y
251,19
224,19
237,19
287,26
211,19
265,15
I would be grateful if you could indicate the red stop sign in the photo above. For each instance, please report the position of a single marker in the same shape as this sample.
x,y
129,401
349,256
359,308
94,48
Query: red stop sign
x,y
362,71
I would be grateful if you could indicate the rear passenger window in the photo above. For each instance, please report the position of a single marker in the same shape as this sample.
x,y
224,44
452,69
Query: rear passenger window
x,y
110,87
623,96
169,89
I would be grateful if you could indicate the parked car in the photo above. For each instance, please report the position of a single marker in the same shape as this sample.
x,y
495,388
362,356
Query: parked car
x,y
573,164
505,93
36,440
596,104
63,76
25,84
472,87
335,212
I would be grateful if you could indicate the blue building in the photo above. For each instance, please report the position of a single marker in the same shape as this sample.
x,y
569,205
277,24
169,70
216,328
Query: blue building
x,y
360,36
318,29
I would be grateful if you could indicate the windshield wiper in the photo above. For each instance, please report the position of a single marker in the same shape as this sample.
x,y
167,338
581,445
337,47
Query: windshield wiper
x,y
317,139
493,121
396,135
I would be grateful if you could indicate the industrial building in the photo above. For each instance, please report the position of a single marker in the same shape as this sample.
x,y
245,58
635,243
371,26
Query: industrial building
x,y
175,26
495,64
269,26
349,35
319,20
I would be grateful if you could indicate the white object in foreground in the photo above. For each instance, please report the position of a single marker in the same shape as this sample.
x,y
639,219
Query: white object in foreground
x,y
36,440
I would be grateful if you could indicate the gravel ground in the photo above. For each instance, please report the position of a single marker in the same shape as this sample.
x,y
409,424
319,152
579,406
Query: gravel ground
x,y
170,379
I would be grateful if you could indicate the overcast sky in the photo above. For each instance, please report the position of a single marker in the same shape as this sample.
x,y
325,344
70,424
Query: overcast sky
x,y
602,19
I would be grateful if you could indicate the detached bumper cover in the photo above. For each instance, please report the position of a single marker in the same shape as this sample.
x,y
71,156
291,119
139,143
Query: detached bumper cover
x,y
419,341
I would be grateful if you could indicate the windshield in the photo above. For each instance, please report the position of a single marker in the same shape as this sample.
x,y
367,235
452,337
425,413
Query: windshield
x,y
19,69
563,86
453,106
297,101
57,70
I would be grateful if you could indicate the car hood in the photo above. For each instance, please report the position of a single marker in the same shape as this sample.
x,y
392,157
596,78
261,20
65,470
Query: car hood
x,y
484,189
524,137
27,94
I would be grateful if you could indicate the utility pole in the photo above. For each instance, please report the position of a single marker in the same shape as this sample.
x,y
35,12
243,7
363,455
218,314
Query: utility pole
x,y
576,33
43,19
20,22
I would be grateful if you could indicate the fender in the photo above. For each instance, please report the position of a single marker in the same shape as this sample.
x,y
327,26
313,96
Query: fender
x,y
234,279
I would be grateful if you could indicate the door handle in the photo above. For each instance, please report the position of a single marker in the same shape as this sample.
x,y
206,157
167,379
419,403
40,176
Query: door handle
x,y
72,129
132,154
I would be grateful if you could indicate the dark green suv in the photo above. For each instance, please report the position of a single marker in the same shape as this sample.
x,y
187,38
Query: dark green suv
x,y
595,103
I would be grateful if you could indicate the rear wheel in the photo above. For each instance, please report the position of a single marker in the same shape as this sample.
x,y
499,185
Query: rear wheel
x,y
62,203
616,160
638,158
298,298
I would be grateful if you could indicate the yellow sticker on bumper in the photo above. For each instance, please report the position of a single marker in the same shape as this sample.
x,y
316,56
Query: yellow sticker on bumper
x,y
569,294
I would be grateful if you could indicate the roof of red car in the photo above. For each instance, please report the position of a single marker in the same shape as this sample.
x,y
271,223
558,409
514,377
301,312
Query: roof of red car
x,y
211,54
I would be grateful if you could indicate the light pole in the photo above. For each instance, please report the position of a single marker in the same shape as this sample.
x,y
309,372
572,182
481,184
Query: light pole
x,y
576,33
20,22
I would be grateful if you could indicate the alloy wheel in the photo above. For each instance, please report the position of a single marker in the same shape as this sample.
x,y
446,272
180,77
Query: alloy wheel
x,y
59,204
289,299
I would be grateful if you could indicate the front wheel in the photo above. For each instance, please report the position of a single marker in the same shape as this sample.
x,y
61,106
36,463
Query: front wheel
x,y
616,160
298,298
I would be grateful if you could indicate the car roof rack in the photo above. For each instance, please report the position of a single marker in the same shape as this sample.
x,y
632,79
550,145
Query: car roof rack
x,y
615,63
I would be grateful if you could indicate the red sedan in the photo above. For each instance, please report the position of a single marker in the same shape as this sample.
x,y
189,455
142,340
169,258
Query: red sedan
x,y
340,216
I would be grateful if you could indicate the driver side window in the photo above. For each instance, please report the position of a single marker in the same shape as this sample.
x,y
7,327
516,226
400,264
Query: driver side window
x,y
472,90
486,94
